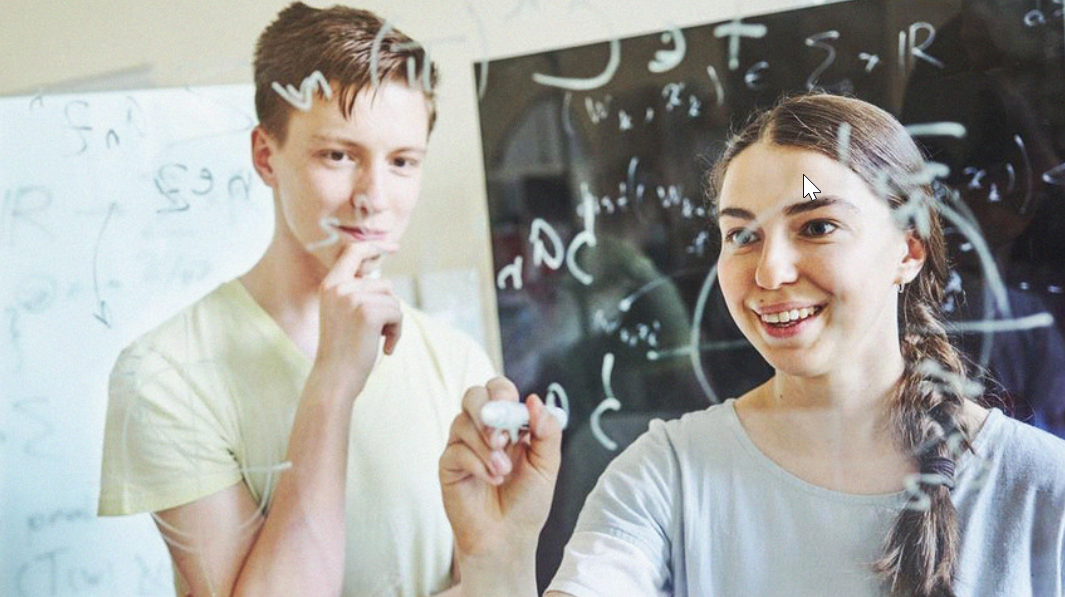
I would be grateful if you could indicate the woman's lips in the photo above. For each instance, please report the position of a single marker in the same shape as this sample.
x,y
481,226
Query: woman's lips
x,y
790,329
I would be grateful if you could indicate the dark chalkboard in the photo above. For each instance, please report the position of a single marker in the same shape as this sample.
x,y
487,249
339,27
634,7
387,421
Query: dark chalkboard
x,y
603,248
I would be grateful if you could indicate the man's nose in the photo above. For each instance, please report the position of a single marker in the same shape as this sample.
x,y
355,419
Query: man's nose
x,y
369,196
776,264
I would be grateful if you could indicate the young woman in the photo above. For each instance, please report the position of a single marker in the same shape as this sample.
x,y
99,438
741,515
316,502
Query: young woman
x,y
862,467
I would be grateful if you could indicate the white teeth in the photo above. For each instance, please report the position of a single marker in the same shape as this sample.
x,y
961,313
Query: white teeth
x,y
787,316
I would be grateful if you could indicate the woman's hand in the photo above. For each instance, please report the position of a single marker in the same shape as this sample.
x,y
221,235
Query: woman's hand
x,y
497,494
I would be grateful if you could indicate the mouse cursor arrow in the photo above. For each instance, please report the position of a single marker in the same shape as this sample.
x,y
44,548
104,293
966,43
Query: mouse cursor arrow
x,y
809,188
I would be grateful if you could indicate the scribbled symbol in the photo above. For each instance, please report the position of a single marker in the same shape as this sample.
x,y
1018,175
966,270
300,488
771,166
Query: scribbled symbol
x,y
909,51
1055,175
512,272
567,118
956,447
600,322
329,226
671,93
135,115
817,40
240,186
80,129
112,138
597,110
583,238
734,30
171,192
719,90
542,255
608,403
754,76
103,312
36,294
585,84
556,396
37,102
843,142
666,60
871,60
694,106
918,499
303,98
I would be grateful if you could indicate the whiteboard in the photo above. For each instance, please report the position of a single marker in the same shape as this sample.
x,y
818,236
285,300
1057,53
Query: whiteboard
x,y
117,209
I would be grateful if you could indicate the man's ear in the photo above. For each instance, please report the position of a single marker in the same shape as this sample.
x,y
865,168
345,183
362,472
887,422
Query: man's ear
x,y
913,259
263,147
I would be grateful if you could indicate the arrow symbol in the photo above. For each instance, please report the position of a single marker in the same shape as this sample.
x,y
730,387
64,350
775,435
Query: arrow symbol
x,y
104,312
809,188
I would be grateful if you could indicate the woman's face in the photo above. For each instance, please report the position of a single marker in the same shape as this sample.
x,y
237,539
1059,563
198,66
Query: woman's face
x,y
829,263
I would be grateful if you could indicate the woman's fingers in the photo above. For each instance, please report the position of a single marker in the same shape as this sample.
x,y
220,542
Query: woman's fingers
x,y
466,455
545,437
495,460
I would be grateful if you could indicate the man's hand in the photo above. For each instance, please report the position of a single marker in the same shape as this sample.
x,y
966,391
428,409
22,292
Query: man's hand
x,y
355,312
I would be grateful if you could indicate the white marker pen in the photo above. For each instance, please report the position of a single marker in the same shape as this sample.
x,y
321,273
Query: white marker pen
x,y
514,416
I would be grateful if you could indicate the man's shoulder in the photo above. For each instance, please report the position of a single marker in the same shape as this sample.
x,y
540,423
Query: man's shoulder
x,y
435,331
177,336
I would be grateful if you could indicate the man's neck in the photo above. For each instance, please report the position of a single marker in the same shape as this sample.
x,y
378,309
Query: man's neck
x,y
285,283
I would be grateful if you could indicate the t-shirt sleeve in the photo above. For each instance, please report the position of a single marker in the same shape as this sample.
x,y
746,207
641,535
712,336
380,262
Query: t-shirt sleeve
x,y
621,544
477,369
164,444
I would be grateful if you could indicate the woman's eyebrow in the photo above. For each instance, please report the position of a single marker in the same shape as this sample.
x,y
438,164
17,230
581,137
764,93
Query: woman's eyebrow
x,y
795,208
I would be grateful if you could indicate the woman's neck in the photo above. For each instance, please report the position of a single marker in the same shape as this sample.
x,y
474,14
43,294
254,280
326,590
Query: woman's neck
x,y
845,407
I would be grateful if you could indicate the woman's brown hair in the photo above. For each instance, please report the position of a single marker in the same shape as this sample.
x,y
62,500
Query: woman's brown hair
x,y
921,551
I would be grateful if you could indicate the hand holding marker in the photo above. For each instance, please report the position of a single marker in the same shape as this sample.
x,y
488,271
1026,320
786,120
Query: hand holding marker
x,y
514,416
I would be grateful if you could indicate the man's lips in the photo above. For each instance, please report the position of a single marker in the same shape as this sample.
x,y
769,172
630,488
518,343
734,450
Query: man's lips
x,y
363,234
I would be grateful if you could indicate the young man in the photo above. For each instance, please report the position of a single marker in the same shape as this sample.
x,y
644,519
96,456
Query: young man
x,y
285,429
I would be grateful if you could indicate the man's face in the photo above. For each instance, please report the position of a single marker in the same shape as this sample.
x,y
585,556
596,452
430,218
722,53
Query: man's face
x,y
339,181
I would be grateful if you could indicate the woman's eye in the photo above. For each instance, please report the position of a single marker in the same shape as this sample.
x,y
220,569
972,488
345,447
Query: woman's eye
x,y
821,227
740,237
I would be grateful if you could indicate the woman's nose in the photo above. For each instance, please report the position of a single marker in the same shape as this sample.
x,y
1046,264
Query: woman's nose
x,y
776,264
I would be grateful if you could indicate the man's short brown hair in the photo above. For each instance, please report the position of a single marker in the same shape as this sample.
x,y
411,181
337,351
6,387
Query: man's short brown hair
x,y
353,49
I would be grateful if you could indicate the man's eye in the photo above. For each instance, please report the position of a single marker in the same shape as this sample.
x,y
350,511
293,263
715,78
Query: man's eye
x,y
336,156
405,163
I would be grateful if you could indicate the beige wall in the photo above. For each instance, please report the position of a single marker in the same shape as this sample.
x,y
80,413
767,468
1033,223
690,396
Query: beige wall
x,y
85,44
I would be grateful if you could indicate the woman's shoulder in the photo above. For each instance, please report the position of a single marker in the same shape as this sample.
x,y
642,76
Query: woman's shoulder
x,y
1026,453
697,435
716,416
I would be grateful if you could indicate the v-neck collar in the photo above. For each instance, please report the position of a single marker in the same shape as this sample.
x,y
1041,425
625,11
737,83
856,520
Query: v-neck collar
x,y
269,327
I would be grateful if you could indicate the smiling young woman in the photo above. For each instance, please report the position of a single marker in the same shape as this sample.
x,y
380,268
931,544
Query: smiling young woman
x,y
864,466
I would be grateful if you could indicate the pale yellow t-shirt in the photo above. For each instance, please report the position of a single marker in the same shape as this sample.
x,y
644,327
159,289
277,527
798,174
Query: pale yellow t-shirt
x,y
207,400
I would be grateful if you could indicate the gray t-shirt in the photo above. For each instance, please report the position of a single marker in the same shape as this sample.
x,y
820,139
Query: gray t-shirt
x,y
694,508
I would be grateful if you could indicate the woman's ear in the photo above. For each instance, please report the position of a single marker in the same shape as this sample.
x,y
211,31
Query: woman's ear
x,y
913,259
263,147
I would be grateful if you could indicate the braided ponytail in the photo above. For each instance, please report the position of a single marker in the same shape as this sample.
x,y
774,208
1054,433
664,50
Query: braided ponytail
x,y
921,551
920,555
